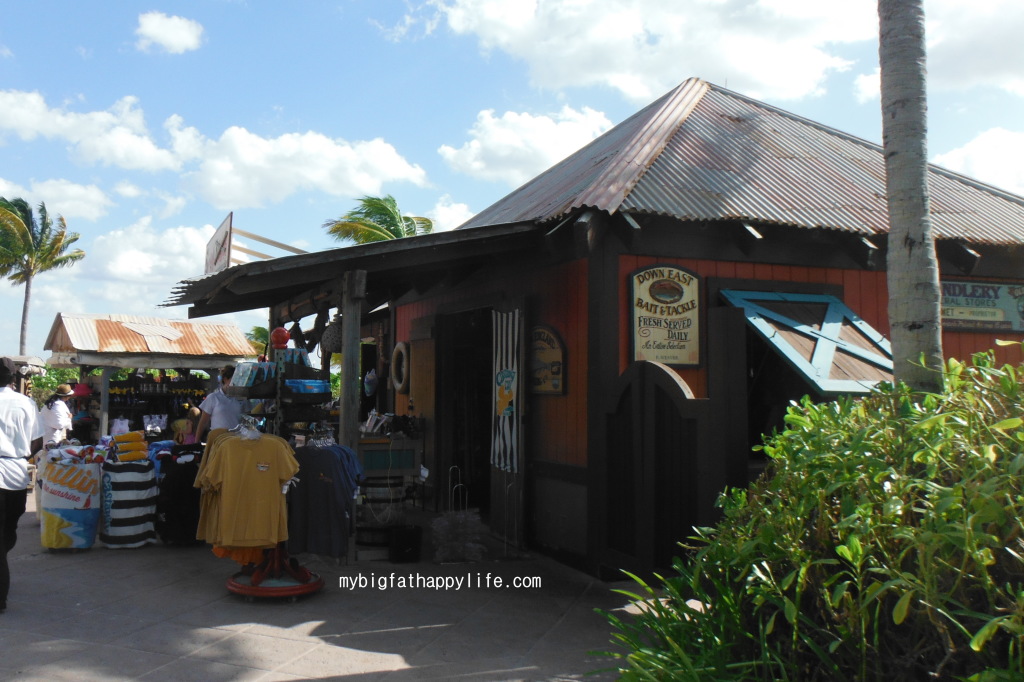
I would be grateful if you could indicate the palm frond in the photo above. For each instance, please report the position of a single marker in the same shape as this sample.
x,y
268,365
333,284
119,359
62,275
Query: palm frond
x,y
377,219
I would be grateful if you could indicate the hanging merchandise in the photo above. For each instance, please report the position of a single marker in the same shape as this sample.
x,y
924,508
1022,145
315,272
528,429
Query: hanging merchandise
x,y
321,505
370,383
118,426
177,507
331,339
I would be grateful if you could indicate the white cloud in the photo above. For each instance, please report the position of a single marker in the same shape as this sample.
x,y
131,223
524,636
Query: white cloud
x,y
128,190
72,200
642,48
992,157
173,205
131,270
244,170
12,190
868,87
977,43
515,147
238,170
116,137
448,214
62,197
173,34
969,45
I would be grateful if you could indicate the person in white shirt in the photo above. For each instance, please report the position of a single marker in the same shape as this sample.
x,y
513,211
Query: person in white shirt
x,y
219,410
20,436
56,415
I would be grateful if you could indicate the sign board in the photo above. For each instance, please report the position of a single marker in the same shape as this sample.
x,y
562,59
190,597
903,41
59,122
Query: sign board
x,y
975,305
666,315
547,361
223,252
218,249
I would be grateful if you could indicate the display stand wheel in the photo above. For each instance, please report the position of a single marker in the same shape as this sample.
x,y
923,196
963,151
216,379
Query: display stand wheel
x,y
278,575
285,586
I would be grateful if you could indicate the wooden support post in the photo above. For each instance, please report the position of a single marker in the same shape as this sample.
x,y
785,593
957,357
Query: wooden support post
x,y
353,294
105,401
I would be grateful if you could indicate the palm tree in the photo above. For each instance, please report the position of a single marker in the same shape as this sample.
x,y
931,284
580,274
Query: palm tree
x,y
377,219
912,267
259,337
28,248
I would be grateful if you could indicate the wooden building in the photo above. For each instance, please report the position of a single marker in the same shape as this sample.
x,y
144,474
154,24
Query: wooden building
x,y
595,354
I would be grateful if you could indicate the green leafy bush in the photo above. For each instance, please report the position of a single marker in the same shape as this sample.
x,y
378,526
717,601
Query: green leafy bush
x,y
884,543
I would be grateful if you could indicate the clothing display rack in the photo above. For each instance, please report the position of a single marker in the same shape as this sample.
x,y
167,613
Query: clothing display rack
x,y
321,503
244,475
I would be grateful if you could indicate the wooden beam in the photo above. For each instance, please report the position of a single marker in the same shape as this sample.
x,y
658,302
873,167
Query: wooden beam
x,y
958,254
105,400
354,292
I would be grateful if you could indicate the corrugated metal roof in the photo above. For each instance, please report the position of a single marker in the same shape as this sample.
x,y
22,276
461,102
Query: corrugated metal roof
x,y
114,334
705,153
601,174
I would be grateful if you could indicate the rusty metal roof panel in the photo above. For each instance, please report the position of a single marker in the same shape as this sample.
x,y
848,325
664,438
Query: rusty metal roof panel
x,y
123,334
705,153
736,158
601,174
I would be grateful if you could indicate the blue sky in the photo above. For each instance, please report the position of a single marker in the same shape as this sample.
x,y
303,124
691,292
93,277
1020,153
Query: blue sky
x,y
145,125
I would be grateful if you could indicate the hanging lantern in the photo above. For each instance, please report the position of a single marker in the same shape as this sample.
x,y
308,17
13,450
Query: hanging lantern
x,y
279,338
331,339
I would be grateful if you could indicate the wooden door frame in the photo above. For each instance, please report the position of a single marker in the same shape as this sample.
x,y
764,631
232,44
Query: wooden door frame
x,y
645,377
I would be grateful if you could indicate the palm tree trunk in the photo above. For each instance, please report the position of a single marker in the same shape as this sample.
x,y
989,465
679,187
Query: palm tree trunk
x,y
912,267
24,316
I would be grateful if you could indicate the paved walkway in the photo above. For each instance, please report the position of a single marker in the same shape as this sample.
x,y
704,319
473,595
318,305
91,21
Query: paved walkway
x,y
164,613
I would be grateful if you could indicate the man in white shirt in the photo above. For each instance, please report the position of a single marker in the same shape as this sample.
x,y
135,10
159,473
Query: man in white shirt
x,y
21,434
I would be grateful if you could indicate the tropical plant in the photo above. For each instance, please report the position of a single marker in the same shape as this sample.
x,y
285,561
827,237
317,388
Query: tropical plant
x,y
44,386
377,219
259,337
29,247
886,543
912,269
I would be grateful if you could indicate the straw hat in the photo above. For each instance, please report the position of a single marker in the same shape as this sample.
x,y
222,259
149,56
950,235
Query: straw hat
x,y
63,391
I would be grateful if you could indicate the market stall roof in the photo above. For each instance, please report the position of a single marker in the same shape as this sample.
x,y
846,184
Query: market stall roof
x,y
29,365
393,268
77,339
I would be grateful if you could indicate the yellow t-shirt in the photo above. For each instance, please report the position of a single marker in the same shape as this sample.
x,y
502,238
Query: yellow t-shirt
x,y
247,476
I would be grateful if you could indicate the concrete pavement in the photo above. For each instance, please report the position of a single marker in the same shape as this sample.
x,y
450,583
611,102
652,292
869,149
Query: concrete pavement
x,y
164,613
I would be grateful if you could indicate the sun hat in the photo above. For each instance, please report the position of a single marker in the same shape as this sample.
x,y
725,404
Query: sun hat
x,y
64,390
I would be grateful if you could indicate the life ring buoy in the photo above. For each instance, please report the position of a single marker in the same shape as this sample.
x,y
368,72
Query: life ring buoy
x,y
400,367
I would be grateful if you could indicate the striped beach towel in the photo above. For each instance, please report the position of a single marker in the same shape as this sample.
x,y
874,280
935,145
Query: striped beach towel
x,y
129,495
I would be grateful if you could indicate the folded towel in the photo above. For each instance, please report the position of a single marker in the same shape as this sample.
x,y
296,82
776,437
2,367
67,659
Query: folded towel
x,y
132,456
130,437
133,446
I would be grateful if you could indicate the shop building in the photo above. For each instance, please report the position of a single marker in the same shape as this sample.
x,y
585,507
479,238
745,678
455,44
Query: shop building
x,y
594,355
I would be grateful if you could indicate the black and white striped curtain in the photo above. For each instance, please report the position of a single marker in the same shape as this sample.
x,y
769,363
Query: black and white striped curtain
x,y
505,419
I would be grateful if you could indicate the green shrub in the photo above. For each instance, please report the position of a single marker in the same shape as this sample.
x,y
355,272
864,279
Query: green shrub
x,y
884,543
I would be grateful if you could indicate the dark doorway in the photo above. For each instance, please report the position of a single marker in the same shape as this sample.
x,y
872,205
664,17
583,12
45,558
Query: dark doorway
x,y
465,403
772,383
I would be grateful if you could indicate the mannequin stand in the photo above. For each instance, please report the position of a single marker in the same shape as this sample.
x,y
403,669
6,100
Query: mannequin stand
x,y
278,575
